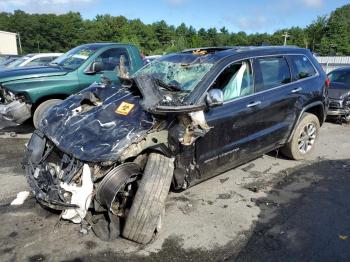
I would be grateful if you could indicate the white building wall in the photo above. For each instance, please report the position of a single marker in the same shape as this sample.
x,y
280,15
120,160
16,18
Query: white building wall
x,y
8,43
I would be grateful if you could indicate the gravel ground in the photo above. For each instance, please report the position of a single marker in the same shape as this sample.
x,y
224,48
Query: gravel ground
x,y
271,209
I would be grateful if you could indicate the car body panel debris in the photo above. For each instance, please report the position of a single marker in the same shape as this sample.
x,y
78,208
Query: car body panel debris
x,y
21,197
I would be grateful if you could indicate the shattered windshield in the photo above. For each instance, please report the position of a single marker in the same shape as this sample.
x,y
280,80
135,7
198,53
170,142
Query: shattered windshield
x,y
179,72
75,57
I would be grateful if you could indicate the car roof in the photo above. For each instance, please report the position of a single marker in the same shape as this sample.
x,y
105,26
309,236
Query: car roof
x,y
341,69
223,51
42,54
103,44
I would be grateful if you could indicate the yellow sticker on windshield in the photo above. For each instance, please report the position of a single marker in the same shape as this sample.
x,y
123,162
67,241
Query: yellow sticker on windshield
x,y
124,108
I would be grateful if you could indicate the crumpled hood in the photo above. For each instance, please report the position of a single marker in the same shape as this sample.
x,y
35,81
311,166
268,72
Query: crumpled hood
x,y
98,123
338,91
30,72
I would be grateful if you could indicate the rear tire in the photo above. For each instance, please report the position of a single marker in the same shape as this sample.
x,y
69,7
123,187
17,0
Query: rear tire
x,y
147,208
304,138
42,109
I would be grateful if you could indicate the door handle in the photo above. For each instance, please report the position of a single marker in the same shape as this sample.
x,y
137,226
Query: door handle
x,y
252,104
296,90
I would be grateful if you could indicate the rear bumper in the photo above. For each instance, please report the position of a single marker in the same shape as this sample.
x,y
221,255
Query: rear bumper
x,y
16,111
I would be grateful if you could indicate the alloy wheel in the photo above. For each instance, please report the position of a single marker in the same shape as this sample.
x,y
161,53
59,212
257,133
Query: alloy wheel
x,y
307,138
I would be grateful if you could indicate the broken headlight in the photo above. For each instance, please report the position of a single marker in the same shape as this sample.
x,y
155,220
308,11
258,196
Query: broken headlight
x,y
347,103
10,96
20,98
6,95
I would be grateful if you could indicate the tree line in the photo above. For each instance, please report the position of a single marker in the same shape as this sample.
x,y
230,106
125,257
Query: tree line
x,y
326,35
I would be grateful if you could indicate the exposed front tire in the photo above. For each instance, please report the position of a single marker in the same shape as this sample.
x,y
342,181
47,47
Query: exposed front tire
x,y
147,208
42,109
304,138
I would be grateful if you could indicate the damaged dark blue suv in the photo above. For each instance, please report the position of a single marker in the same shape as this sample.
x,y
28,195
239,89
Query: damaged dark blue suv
x,y
116,149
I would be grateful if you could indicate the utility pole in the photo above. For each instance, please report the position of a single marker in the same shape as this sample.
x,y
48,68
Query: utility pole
x,y
286,35
20,43
38,46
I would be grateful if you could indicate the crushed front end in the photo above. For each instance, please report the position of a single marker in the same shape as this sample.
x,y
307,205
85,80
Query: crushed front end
x,y
91,150
48,170
340,108
13,107
62,182
87,157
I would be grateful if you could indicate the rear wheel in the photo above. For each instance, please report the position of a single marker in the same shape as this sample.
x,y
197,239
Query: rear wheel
x,y
42,109
304,138
147,208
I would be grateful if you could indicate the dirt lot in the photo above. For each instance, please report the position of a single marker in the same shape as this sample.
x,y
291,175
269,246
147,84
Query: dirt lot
x,y
271,209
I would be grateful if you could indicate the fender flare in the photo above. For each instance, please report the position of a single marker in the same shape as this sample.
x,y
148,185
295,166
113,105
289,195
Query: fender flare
x,y
305,108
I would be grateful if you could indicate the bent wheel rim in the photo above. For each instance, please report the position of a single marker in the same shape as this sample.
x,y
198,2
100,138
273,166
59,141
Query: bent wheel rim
x,y
307,138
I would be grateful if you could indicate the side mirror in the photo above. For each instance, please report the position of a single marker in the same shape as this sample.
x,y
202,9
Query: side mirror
x,y
215,97
96,67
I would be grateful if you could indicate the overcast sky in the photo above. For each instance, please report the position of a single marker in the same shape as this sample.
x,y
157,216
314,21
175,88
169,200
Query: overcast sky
x,y
247,15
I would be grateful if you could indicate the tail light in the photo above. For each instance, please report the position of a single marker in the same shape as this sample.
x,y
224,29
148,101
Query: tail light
x,y
327,82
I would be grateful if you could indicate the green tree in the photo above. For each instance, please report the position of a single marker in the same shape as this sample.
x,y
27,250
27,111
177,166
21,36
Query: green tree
x,y
50,32
337,35
315,32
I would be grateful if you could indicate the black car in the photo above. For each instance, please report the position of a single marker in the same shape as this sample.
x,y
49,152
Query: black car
x,y
339,94
117,148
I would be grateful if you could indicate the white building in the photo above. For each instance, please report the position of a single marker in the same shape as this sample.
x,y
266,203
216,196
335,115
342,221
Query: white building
x,y
8,43
330,63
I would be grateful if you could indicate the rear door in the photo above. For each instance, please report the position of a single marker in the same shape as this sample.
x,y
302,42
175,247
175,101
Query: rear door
x,y
304,81
279,96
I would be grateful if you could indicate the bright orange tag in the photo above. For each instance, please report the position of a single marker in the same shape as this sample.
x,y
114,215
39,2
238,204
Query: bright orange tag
x,y
124,108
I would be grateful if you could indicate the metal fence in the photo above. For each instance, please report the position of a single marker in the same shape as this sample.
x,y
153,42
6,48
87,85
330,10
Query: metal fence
x,y
330,63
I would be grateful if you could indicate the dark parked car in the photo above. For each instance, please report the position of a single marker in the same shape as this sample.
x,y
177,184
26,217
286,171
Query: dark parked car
x,y
183,118
339,94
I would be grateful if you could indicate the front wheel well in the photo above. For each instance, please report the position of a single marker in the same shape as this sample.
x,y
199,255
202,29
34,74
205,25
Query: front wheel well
x,y
45,98
318,111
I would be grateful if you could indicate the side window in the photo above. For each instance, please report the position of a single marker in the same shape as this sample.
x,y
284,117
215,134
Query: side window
x,y
302,67
235,81
110,58
46,60
274,72
34,62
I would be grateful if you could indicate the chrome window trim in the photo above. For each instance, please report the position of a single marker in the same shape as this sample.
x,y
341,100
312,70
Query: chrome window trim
x,y
289,69
260,92
312,66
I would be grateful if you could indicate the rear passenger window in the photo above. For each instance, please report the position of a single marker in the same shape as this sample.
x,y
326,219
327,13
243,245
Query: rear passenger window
x,y
274,72
302,67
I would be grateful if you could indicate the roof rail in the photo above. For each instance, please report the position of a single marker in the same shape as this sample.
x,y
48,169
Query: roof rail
x,y
223,48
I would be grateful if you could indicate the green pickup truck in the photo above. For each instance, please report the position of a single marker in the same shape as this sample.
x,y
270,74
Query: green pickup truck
x,y
28,92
